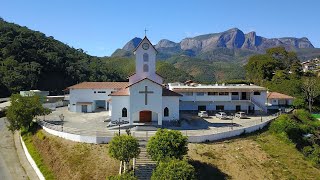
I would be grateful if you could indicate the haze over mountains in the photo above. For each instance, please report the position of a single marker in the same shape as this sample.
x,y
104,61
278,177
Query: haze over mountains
x,y
230,45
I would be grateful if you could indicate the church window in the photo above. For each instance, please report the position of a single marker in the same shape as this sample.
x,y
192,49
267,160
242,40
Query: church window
x,y
124,112
166,112
145,57
145,68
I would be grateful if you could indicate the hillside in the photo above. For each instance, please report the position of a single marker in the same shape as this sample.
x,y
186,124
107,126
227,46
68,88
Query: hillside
x,y
31,60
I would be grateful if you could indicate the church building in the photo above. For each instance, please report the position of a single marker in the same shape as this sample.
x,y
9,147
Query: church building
x,y
141,100
144,98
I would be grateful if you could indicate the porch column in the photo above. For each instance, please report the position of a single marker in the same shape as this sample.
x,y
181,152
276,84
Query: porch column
x,y
160,119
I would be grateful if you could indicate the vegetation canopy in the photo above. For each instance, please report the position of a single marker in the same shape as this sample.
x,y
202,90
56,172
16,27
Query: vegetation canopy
x,y
167,144
23,110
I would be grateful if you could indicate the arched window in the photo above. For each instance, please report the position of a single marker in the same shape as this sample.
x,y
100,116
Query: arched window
x,y
145,68
166,112
145,57
124,112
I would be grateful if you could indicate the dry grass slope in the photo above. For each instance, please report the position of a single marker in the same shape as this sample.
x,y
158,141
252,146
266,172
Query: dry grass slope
x,y
261,156
71,160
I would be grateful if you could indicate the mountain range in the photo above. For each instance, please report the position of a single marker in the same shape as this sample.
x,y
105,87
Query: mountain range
x,y
230,45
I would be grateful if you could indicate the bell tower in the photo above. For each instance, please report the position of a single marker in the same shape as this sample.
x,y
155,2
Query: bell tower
x,y
145,54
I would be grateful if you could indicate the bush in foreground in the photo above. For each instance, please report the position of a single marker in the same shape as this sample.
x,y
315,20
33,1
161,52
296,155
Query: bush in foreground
x,y
174,170
125,176
167,144
124,148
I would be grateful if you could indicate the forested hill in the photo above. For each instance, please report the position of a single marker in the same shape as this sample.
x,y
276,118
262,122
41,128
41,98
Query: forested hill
x,y
31,60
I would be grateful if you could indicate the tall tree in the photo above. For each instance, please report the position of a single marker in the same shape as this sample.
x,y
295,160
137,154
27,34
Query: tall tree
x,y
124,148
23,110
311,89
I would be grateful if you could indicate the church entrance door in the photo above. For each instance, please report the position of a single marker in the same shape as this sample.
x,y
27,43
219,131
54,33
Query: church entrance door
x,y
145,116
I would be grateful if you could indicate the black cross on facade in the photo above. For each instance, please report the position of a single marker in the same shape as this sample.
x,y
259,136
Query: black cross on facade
x,y
146,92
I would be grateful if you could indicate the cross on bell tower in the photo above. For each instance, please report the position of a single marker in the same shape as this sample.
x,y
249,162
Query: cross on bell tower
x,y
145,31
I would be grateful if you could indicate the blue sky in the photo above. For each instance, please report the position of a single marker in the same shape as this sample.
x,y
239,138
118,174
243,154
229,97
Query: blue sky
x,y
100,27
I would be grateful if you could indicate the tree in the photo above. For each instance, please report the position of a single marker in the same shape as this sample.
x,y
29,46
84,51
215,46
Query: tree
x,y
167,144
260,67
174,170
124,148
125,176
23,110
299,103
311,89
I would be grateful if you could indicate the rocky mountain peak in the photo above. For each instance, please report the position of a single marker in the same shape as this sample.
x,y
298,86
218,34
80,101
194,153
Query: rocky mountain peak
x,y
132,44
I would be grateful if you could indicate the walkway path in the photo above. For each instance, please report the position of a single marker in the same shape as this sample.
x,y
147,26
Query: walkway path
x,y
144,165
10,166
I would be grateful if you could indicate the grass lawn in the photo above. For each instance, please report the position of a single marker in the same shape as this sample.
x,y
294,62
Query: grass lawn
x,y
64,159
262,156
316,116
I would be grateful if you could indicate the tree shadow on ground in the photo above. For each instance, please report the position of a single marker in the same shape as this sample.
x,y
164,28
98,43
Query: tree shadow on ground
x,y
205,171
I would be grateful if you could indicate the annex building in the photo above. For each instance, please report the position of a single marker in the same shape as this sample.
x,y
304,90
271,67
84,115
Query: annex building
x,y
145,99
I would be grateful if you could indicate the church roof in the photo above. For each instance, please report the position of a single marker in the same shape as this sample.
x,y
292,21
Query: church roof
x,y
125,92
145,37
121,92
167,92
100,85
136,73
143,80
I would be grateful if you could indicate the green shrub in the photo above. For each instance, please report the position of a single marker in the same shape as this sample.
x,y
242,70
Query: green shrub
x,y
166,144
303,115
174,170
125,176
282,124
299,103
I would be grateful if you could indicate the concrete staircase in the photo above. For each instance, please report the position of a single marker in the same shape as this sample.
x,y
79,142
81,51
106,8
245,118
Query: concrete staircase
x,y
144,165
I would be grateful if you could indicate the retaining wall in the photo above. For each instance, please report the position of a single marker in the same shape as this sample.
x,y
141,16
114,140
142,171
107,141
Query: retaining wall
x,y
191,138
78,137
31,161
227,134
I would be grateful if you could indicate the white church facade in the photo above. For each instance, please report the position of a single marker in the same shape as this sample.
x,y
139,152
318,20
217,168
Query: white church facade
x,y
144,99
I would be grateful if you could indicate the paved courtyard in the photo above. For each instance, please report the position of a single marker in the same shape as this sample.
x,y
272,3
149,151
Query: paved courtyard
x,y
96,123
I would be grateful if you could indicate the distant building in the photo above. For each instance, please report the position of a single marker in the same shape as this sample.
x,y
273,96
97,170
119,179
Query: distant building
x,y
220,97
34,92
311,65
277,100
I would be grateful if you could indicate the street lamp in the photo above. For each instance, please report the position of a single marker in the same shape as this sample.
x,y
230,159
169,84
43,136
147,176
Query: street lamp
x,y
119,125
62,120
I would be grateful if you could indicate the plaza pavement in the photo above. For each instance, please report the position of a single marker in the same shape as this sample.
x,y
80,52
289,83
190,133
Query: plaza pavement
x,y
96,124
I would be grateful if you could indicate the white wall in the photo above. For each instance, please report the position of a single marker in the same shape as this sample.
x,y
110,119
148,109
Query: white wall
x,y
118,103
172,102
211,106
137,100
87,95
261,99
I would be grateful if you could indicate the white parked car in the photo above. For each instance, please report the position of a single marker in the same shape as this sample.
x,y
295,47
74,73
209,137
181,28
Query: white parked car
x,y
241,115
221,115
203,114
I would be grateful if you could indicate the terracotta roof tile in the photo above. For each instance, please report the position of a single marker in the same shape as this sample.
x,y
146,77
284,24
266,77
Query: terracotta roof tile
x,y
100,85
122,92
276,95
